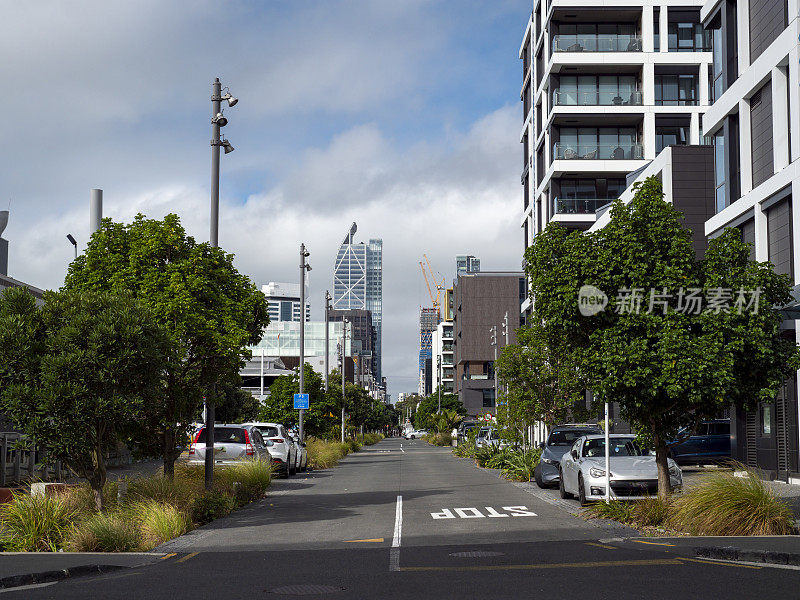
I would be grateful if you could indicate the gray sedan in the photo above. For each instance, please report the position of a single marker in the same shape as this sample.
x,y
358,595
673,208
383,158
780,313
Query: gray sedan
x,y
558,444
634,474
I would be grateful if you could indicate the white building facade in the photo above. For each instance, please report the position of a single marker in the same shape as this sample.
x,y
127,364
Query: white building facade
x,y
284,302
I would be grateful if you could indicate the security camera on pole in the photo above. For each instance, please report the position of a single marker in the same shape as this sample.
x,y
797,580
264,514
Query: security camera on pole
x,y
218,121
303,268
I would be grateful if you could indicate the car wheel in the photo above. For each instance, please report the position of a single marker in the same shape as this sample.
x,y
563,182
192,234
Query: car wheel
x,y
285,472
561,490
581,491
293,471
412,437
537,476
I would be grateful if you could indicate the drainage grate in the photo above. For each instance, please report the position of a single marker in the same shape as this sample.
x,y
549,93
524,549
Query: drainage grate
x,y
306,589
475,554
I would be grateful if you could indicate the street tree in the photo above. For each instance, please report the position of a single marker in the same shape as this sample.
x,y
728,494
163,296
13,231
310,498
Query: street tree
x,y
76,373
236,405
665,347
211,311
429,406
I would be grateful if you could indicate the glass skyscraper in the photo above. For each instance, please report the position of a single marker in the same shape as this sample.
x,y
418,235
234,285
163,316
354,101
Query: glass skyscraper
x,y
358,284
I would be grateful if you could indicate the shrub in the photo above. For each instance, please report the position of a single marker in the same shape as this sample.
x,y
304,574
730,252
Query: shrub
x,y
211,505
177,492
323,454
482,455
353,445
35,523
250,480
724,504
439,439
519,464
80,498
158,522
616,510
651,512
372,438
105,532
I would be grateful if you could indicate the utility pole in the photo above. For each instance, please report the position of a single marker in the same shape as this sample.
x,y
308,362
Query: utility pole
x,y
344,346
439,380
217,121
493,342
327,321
303,268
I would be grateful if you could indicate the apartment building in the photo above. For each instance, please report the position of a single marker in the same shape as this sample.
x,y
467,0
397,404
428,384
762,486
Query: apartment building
x,y
606,87
284,302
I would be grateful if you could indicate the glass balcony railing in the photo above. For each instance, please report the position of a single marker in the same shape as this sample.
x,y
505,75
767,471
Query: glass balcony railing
x,y
597,43
568,151
597,98
578,206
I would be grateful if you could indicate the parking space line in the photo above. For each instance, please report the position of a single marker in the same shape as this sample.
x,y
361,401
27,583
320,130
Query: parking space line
x,y
607,547
170,555
187,557
653,543
369,540
719,562
594,564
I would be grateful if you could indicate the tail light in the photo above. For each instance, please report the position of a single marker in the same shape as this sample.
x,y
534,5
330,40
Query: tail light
x,y
277,440
248,447
194,442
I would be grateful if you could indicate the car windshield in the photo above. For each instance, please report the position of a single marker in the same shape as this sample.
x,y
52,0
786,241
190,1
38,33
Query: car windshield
x,y
566,437
268,432
222,435
618,446
484,431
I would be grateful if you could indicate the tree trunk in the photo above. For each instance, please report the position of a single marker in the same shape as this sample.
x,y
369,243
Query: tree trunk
x,y
169,453
98,479
664,484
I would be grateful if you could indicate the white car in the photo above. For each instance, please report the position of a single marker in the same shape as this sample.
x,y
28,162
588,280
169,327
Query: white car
x,y
232,444
634,473
283,450
301,455
416,433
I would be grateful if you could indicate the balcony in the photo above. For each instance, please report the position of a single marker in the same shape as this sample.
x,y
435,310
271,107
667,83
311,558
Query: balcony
x,y
562,151
597,43
596,98
447,347
578,206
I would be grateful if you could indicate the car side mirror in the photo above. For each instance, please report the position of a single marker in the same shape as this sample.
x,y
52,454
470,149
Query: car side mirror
x,y
542,445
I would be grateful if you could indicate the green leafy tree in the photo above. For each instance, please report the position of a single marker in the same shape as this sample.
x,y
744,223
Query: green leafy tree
x,y
236,405
668,368
541,376
76,373
429,406
211,311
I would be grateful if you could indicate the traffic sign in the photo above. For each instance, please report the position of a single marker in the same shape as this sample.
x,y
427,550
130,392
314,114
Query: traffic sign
x,y
301,401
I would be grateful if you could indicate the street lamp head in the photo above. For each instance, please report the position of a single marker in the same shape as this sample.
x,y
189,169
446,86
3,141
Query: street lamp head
x,y
71,239
227,147
220,120
231,100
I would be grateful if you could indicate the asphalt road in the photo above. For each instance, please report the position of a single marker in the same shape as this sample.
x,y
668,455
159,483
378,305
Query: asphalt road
x,y
402,519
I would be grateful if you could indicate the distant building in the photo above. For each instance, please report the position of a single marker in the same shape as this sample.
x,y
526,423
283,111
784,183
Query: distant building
x,y
467,264
363,337
428,320
284,302
358,284
482,300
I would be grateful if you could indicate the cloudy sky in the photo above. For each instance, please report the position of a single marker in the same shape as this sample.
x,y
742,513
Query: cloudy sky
x,y
401,116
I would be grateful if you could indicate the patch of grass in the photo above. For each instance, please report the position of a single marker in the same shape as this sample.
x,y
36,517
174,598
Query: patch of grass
x,y
616,510
485,454
105,532
724,504
650,512
439,439
211,505
157,522
353,445
250,480
178,492
35,523
372,438
324,454
519,464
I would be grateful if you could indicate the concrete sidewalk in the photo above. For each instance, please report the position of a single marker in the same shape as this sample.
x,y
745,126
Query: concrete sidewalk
x,y
26,568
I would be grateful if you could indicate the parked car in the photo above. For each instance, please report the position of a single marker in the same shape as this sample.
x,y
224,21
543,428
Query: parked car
x,y
416,433
710,443
232,444
463,431
284,454
481,439
558,443
301,455
634,474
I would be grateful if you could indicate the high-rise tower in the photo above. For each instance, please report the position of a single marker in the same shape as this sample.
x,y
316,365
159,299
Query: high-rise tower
x,y
358,284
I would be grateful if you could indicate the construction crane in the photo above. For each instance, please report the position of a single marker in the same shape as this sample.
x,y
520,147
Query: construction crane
x,y
439,285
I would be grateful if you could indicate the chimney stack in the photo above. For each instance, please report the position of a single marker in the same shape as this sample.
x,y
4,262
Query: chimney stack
x,y
95,211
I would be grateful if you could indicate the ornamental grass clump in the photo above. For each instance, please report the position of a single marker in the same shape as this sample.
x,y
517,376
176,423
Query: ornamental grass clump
x,y
105,532
519,464
324,454
157,522
372,438
725,504
35,523
178,492
249,480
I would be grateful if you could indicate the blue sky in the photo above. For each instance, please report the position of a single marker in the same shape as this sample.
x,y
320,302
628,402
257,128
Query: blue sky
x,y
402,116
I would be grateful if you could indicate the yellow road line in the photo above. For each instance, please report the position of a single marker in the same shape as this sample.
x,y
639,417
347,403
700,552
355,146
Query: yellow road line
x,y
652,543
369,540
607,547
187,557
719,562
595,564
170,555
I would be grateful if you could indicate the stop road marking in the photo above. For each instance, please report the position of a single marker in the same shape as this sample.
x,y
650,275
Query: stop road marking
x,y
474,513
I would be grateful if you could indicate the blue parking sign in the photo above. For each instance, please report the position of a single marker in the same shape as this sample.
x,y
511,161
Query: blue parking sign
x,y
301,401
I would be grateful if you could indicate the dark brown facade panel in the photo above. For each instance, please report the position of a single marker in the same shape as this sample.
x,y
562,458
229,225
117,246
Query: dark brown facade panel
x,y
761,131
767,22
779,237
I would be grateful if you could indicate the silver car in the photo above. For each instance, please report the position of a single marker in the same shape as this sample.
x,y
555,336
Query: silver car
x,y
301,455
284,454
232,444
634,474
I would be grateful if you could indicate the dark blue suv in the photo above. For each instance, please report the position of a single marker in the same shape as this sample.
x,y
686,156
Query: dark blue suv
x,y
709,444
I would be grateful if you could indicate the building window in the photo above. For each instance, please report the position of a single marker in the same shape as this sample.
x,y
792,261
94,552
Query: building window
x,y
717,72
287,310
719,170
766,419
688,37
676,90
488,398
597,90
598,143
671,136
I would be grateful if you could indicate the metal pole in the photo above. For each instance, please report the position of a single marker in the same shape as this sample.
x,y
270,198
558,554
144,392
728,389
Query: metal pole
x,y
303,255
344,345
439,380
261,380
95,210
216,93
327,336
608,460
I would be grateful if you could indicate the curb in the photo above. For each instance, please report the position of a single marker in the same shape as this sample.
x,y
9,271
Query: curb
x,y
755,556
57,575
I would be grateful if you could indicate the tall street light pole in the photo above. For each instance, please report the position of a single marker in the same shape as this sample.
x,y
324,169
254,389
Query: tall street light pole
x,y
439,380
493,342
74,243
303,268
344,346
217,122
327,336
